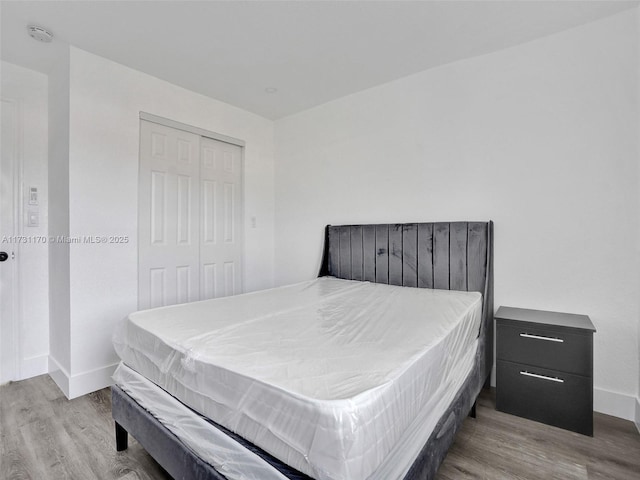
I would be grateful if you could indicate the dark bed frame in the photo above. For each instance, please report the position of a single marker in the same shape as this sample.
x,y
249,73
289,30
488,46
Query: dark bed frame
x,y
449,256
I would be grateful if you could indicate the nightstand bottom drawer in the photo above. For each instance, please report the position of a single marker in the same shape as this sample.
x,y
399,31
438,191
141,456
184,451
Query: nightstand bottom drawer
x,y
544,395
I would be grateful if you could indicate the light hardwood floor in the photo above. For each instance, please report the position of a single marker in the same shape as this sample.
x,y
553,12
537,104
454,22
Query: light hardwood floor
x,y
44,436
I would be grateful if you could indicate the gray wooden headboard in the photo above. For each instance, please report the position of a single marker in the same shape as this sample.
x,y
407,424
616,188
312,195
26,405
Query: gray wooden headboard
x,y
447,256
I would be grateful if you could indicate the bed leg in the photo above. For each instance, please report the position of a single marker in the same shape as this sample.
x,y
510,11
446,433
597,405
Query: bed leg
x,y
122,438
472,413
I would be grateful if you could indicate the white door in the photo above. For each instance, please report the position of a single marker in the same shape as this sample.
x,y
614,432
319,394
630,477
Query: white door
x,y
190,217
221,222
169,210
8,274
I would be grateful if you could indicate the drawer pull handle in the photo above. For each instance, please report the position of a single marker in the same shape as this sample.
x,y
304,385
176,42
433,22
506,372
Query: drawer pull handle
x,y
541,337
542,377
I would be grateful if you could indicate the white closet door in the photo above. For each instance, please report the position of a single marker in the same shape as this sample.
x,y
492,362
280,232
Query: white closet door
x,y
221,241
169,210
9,328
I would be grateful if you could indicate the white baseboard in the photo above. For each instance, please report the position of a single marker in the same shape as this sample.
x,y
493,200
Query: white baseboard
x,y
90,381
34,366
637,420
59,375
615,404
74,386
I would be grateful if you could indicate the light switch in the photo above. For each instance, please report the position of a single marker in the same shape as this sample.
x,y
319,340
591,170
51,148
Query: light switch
x,y
33,219
33,195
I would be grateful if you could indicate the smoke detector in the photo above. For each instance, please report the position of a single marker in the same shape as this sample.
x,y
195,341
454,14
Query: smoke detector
x,y
40,34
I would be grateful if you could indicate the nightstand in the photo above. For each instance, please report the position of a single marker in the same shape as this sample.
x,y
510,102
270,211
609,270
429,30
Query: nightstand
x,y
544,367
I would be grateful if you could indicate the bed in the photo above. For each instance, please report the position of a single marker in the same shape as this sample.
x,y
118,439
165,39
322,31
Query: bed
x,y
349,376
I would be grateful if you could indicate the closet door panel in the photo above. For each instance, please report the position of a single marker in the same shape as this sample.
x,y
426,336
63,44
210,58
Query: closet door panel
x,y
169,212
221,239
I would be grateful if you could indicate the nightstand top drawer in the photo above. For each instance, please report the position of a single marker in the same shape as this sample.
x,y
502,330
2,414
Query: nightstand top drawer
x,y
562,350
557,319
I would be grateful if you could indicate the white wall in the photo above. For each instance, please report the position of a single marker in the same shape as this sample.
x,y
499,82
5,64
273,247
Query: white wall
x,y
29,90
105,102
541,138
59,316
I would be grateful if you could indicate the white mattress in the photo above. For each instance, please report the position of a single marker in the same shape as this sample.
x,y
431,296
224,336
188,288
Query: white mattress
x,y
330,376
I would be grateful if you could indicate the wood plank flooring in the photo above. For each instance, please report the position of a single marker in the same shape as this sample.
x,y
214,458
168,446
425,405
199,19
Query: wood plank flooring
x,y
498,446
44,436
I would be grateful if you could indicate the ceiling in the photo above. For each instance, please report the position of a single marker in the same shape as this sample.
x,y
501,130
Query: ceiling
x,y
311,52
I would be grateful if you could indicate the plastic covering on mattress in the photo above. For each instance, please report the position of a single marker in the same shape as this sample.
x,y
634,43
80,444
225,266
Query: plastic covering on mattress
x,y
214,446
327,376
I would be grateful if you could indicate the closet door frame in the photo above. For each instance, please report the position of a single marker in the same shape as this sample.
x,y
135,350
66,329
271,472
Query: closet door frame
x,y
191,129
215,136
